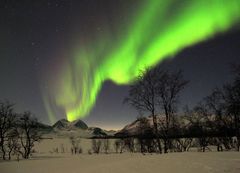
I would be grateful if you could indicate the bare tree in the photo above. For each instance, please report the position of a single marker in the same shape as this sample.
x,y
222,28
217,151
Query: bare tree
x,y
185,143
96,145
232,96
154,89
75,145
129,144
200,124
13,143
224,104
182,142
118,144
106,145
142,126
144,135
7,122
143,97
28,133
169,86
217,106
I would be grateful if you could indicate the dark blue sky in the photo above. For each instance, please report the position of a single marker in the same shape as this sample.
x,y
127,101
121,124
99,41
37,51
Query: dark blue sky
x,y
32,33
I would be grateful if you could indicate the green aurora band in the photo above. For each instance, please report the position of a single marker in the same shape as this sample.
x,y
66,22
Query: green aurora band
x,y
154,35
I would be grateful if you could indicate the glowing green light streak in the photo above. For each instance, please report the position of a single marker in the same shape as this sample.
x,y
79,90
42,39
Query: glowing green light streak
x,y
158,32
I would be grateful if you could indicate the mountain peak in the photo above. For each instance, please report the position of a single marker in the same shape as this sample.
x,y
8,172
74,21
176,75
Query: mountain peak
x,y
62,123
65,124
79,124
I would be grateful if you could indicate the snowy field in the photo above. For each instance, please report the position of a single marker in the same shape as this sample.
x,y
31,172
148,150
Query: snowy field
x,y
45,161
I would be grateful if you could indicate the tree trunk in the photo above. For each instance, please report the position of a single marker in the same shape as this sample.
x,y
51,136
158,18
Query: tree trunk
x,y
238,143
3,151
237,131
9,156
156,133
165,146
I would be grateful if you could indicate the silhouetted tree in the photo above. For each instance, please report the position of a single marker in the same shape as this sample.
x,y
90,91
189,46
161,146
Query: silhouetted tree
x,y
180,129
118,144
232,96
29,133
169,86
144,134
7,123
143,97
217,106
106,145
154,89
185,143
129,144
142,126
96,145
13,145
200,124
75,144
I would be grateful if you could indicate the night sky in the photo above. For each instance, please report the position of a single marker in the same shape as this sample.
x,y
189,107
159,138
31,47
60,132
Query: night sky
x,y
38,36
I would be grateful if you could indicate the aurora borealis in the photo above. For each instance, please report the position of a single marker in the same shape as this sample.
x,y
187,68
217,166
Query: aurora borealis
x,y
75,59
152,36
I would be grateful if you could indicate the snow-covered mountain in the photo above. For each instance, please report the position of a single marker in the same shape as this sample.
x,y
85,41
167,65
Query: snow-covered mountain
x,y
136,127
133,128
64,124
61,124
65,128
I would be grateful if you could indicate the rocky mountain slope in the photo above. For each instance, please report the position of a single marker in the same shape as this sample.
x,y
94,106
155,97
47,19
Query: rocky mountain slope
x,y
135,127
65,128
65,124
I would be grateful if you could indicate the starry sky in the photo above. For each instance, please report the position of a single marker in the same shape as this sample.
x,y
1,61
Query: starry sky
x,y
36,36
